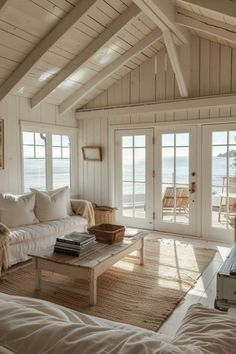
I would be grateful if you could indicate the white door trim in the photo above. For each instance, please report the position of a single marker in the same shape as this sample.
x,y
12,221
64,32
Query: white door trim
x,y
209,232
199,124
135,221
193,226
111,145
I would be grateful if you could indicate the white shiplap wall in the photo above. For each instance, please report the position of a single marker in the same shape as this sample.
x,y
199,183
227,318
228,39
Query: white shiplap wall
x,y
12,110
213,71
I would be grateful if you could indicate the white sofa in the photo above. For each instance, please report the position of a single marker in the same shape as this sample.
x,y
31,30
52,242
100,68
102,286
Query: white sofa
x,y
32,221
30,238
33,326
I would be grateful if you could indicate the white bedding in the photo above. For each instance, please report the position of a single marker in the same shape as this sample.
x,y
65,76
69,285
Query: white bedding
x,y
31,238
31,326
212,331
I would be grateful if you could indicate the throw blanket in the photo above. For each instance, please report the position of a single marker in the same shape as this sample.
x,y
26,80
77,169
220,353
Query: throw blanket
x,y
84,208
4,246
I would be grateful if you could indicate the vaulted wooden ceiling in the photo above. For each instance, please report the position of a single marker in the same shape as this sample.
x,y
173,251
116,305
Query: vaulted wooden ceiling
x,y
67,52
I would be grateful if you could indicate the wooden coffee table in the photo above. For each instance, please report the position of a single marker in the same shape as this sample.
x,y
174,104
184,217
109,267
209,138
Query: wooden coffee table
x,y
89,266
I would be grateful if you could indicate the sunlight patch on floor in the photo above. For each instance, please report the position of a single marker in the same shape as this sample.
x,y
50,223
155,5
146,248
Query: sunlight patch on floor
x,y
127,266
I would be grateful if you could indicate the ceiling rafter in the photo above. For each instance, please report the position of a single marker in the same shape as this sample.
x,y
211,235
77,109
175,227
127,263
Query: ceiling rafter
x,y
103,39
167,106
162,13
109,70
45,44
175,63
223,7
206,25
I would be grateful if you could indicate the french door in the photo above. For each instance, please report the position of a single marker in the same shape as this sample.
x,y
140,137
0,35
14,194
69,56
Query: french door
x,y
176,182
134,177
219,187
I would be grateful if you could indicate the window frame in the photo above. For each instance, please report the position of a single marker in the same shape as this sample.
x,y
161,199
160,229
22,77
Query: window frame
x,y
50,130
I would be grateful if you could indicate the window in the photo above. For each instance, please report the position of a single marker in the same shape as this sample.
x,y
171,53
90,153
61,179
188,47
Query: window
x,y
61,160
46,159
34,156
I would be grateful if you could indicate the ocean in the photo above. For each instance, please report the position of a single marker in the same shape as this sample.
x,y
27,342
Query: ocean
x,y
35,174
219,165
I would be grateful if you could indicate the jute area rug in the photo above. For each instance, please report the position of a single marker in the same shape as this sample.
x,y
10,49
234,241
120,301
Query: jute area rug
x,y
139,295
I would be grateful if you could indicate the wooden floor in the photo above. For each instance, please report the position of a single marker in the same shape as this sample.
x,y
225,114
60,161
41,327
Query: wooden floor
x,y
205,290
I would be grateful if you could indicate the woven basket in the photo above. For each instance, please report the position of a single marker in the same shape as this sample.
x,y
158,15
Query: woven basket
x,y
107,233
104,215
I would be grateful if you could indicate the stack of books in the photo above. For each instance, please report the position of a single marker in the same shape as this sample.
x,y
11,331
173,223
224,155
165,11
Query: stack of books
x,y
75,244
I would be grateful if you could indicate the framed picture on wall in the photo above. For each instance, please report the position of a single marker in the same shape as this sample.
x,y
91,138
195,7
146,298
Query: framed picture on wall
x,y
92,153
1,144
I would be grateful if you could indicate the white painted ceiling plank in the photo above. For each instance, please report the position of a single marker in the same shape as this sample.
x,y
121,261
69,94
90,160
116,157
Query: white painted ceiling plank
x,y
86,54
14,30
110,69
51,38
118,5
50,7
62,4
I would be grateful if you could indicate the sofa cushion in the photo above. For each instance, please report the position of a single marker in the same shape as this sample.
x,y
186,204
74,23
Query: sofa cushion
x,y
16,210
52,205
68,201
210,330
46,229
31,238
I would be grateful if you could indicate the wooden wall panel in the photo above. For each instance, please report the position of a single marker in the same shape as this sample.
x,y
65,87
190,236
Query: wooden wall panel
x,y
204,67
12,110
233,77
225,69
214,68
213,71
195,66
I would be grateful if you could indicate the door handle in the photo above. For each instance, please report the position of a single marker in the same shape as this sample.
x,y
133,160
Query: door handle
x,y
193,187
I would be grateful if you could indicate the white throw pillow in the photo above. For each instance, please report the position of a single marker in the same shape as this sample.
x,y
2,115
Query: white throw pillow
x,y
51,205
17,210
68,202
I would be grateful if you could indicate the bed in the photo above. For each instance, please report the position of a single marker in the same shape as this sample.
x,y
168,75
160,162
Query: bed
x,y
32,326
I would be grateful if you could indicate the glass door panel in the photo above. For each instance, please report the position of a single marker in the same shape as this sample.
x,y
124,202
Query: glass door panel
x,y
177,181
133,178
220,175
175,178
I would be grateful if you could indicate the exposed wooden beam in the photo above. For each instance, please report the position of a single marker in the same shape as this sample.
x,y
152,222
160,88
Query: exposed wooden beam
x,y
162,13
206,25
45,44
224,7
102,40
175,63
167,106
110,69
